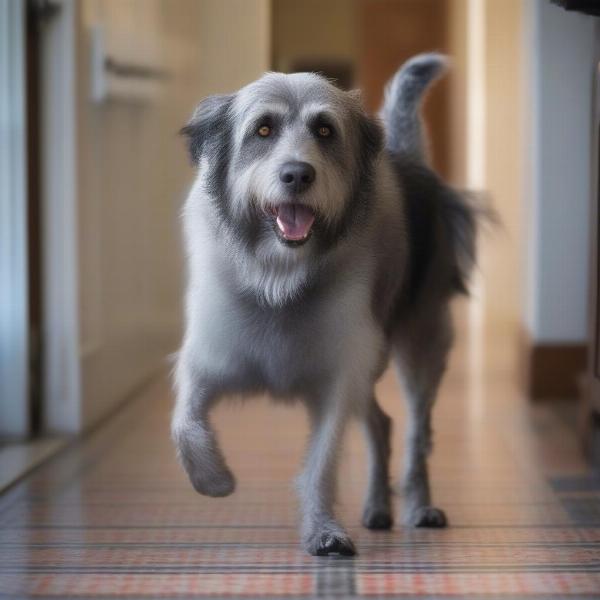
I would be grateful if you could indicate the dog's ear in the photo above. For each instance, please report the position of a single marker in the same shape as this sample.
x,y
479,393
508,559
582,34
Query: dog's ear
x,y
371,134
208,122
355,95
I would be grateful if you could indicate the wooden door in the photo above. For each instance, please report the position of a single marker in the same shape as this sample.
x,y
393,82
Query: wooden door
x,y
390,32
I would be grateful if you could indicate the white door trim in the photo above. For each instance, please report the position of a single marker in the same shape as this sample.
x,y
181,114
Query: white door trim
x,y
62,406
14,320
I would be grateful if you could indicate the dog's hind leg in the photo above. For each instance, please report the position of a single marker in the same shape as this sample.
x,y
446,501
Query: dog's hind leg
x,y
321,533
421,350
377,513
194,438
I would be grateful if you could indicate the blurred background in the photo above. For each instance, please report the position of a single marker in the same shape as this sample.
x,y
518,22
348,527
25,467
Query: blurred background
x,y
93,174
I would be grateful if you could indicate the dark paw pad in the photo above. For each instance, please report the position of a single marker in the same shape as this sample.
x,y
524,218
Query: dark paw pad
x,y
331,543
377,519
428,516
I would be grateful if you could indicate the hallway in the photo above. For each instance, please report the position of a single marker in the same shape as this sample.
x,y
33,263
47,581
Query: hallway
x,y
92,182
115,515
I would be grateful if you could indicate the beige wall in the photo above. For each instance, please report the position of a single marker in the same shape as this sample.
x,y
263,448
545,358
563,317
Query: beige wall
x,y
133,174
457,48
313,29
503,251
234,43
498,59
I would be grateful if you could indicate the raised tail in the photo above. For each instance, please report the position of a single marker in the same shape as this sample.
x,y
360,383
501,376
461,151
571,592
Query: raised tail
x,y
401,107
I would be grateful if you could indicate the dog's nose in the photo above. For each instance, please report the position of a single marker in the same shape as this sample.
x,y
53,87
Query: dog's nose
x,y
297,175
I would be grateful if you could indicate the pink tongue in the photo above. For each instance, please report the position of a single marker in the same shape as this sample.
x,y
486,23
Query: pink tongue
x,y
294,220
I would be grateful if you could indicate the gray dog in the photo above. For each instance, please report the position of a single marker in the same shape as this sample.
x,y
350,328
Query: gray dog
x,y
319,243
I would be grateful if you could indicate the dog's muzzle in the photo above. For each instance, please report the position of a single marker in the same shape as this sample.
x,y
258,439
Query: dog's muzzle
x,y
294,220
297,176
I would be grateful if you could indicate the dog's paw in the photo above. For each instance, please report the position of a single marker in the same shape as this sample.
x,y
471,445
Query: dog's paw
x,y
214,484
377,518
427,516
329,541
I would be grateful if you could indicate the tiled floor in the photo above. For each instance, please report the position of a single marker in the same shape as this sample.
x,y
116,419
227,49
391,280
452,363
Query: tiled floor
x,y
115,516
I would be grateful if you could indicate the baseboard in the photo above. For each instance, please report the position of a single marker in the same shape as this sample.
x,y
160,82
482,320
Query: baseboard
x,y
552,370
19,459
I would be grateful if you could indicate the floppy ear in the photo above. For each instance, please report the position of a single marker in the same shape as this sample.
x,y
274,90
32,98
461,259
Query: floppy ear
x,y
208,122
371,134
371,137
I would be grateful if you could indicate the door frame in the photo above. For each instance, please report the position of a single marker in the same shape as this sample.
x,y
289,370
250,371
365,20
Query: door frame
x,y
14,318
61,365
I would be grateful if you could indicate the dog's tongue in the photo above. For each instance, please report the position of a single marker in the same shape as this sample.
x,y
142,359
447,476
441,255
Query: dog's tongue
x,y
294,220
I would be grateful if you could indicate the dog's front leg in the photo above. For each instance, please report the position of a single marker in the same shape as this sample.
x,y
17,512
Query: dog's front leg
x,y
194,437
321,533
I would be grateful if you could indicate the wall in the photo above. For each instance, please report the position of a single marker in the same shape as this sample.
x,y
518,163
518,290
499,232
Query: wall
x,y
234,43
313,29
457,49
133,174
391,33
502,248
485,43
560,47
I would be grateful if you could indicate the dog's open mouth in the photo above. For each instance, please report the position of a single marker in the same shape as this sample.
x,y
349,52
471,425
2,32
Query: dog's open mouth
x,y
294,222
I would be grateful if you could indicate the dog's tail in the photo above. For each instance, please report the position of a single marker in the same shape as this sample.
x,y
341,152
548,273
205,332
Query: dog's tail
x,y
401,107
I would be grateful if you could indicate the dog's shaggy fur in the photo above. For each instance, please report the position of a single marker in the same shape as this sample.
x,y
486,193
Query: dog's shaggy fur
x,y
319,244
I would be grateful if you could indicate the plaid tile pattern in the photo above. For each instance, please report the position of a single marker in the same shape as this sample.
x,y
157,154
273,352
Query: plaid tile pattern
x,y
114,516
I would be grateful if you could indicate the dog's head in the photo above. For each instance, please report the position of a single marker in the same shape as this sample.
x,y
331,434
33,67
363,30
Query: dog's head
x,y
287,161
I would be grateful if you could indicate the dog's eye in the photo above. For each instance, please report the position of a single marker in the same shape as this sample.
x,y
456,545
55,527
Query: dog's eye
x,y
324,131
264,131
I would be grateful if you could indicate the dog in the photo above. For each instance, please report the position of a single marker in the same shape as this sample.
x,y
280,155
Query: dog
x,y
319,244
